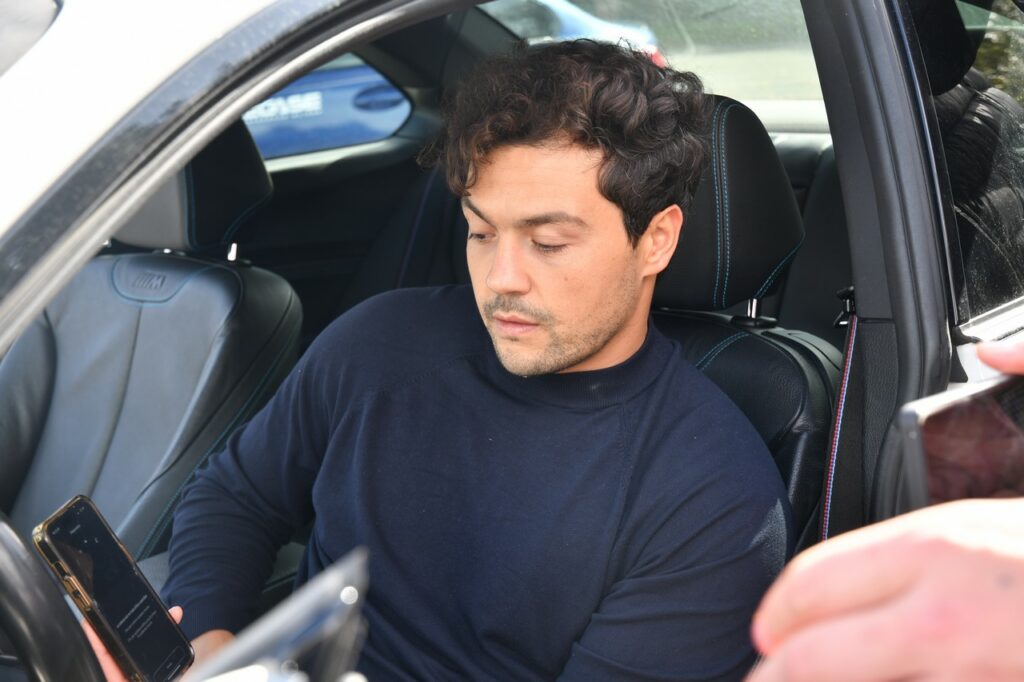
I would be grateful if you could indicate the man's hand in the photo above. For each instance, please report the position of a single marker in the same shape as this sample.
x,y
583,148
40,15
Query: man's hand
x,y
110,669
209,643
933,595
205,646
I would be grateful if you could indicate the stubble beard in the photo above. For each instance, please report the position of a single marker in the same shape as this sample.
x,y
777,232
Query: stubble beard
x,y
563,350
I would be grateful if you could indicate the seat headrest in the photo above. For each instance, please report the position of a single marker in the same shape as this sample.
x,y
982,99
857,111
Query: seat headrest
x,y
743,227
202,207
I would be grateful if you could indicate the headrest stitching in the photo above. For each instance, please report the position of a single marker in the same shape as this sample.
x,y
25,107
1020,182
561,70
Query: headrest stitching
x,y
725,203
718,204
230,233
706,361
778,268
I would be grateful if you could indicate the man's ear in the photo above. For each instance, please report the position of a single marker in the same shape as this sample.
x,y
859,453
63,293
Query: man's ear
x,y
660,240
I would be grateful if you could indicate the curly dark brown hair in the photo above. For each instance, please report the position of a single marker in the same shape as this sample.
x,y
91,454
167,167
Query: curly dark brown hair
x,y
648,121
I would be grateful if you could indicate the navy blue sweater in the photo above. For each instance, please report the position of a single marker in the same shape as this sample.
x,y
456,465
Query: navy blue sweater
x,y
615,524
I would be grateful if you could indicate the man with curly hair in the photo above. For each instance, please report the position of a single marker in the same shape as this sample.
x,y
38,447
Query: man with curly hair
x,y
547,488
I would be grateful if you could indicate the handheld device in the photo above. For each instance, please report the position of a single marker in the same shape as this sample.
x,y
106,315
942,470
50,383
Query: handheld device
x,y
318,630
965,442
103,580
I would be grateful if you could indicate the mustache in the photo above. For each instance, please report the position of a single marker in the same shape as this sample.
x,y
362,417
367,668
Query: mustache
x,y
515,306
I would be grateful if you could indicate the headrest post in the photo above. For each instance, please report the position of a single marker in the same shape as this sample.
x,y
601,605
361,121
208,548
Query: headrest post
x,y
753,308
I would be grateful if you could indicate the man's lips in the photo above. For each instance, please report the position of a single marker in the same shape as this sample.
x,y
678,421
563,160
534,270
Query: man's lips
x,y
513,325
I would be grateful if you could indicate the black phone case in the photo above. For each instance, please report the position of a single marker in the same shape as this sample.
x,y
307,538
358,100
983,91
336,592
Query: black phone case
x,y
73,587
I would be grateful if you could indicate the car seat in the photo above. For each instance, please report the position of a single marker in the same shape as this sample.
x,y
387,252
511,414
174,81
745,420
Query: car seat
x,y
140,367
741,233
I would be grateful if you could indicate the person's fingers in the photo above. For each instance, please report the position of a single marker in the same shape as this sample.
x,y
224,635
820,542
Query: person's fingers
x,y
110,668
864,646
176,613
1007,357
850,572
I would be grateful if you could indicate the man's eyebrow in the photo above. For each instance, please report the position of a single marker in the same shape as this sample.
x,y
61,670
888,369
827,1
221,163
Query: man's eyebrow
x,y
472,207
548,218
552,217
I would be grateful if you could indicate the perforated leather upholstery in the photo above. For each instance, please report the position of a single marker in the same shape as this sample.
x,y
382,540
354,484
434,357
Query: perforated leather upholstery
x,y
141,366
741,234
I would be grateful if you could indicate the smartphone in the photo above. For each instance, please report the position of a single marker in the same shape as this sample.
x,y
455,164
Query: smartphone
x,y
965,442
109,589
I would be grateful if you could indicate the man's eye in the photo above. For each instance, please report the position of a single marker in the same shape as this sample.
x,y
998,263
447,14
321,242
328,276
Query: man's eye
x,y
548,248
478,236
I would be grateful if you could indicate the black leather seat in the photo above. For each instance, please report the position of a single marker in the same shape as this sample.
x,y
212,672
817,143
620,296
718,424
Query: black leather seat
x,y
141,366
742,232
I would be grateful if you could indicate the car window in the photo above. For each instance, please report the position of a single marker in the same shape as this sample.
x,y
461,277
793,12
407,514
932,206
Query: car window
x,y
758,53
980,116
342,103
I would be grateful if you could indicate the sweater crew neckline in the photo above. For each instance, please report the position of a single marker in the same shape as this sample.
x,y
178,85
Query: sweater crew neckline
x,y
594,388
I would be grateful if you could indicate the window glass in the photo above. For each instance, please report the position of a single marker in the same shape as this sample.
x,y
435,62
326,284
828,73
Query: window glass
x,y
756,52
344,102
977,86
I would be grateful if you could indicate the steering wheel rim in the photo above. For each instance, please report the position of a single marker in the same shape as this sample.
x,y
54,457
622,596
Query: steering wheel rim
x,y
47,638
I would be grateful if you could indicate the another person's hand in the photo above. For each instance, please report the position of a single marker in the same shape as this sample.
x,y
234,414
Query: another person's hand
x,y
1006,357
933,595
110,668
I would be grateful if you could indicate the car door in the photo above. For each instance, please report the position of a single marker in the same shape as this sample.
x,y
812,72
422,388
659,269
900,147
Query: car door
x,y
976,133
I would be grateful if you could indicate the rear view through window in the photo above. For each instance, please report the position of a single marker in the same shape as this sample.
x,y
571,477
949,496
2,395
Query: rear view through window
x,y
758,53
344,102
980,115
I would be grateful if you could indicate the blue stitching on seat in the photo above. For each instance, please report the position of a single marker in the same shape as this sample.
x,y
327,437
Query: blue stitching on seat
x,y
729,342
725,203
718,203
230,234
191,217
778,268
718,348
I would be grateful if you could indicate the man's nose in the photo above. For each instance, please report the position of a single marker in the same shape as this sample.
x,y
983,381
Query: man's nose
x,y
508,273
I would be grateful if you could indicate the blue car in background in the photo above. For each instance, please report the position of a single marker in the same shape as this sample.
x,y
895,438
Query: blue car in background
x,y
347,102
342,103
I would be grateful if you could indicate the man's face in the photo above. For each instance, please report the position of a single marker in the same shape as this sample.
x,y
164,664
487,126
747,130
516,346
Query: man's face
x,y
558,284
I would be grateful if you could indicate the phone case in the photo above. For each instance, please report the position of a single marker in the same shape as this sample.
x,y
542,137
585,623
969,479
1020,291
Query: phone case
x,y
910,423
70,583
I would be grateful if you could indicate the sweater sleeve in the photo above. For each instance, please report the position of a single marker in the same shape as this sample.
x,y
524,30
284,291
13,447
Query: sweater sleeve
x,y
247,502
682,609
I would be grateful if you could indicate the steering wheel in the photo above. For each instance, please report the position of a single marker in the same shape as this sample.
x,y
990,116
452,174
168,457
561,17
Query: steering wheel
x,y
47,638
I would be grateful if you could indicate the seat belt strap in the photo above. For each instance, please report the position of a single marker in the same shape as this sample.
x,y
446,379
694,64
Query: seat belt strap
x,y
843,505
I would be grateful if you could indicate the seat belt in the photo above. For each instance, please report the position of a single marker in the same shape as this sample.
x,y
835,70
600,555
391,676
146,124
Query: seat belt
x,y
843,505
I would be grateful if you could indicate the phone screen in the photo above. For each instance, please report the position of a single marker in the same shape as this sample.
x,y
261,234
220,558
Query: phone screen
x,y
974,447
119,592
